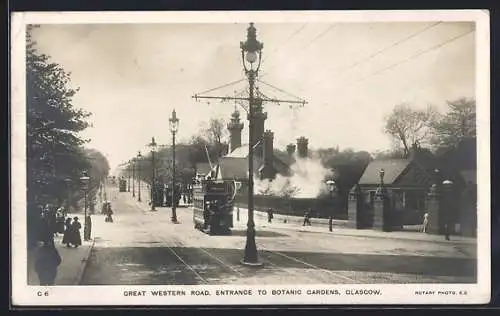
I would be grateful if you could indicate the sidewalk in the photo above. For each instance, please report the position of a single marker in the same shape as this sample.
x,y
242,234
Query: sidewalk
x,y
72,267
339,228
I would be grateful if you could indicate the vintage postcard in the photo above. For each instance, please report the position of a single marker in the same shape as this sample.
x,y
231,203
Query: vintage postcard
x,y
208,158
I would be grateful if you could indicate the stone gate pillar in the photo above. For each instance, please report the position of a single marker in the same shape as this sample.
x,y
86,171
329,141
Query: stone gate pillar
x,y
381,207
433,198
356,209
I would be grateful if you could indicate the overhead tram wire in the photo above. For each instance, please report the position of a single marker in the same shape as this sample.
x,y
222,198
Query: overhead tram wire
x,y
297,31
408,59
383,50
331,27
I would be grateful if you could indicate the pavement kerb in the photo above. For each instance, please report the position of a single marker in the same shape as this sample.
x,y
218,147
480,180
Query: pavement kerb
x,y
340,230
84,263
388,236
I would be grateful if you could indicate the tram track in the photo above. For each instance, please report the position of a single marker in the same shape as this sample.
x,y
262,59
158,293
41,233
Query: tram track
x,y
307,264
265,258
268,257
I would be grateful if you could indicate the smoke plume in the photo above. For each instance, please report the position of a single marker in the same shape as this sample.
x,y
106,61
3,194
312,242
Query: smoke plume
x,y
307,180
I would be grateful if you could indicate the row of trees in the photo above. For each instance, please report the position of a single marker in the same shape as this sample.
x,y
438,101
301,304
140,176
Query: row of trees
x,y
436,133
431,129
210,140
56,158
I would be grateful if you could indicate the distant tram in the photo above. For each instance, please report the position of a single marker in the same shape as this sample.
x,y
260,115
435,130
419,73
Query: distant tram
x,y
213,206
122,185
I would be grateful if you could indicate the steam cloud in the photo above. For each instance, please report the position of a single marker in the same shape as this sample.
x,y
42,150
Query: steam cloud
x,y
307,180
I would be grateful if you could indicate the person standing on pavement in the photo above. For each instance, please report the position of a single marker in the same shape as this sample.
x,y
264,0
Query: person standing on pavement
x,y
88,228
67,233
47,262
76,238
60,221
269,215
307,218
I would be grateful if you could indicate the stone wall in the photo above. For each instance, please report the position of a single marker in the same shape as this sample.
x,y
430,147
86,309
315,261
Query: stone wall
x,y
321,208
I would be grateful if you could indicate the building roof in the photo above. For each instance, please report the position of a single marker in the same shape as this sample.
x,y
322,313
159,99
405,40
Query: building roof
x,y
239,152
393,168
233,168
235,164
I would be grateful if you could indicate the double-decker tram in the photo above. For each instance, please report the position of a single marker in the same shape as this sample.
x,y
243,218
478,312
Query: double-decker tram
x,y
213,206
122,185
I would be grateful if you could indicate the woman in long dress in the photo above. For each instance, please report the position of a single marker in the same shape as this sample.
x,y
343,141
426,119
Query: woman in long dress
x,y
76,238
67,232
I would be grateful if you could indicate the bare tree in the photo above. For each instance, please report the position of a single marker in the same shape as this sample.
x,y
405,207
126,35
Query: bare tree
x,y
410,126
458,124
215,132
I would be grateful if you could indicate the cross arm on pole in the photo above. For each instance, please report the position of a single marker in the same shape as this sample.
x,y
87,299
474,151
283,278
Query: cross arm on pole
x,y
247,99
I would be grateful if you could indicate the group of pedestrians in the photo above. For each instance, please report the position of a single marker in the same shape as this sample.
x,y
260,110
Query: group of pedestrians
x,y
54,221
72,237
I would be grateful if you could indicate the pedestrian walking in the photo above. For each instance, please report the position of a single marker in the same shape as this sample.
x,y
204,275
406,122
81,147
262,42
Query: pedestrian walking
x,y
88,228
67,233
45,234
307,218
76,238
184,198
46,264
109,213
60,222
270,215
425,224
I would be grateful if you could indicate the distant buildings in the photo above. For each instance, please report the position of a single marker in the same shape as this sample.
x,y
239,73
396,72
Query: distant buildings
x,y
268,161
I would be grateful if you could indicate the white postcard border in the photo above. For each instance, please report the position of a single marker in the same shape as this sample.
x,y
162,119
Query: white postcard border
x,y
22,294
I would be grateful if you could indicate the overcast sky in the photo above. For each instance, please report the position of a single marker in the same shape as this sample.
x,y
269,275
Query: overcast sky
x,y
131,77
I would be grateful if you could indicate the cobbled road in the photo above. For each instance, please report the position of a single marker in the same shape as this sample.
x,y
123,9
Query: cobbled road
x,y
144,248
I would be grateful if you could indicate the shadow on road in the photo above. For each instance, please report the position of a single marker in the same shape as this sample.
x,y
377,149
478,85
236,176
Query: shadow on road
x,y
188,265
258,233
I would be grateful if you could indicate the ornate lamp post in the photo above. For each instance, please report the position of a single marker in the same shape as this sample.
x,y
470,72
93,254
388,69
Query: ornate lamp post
x,y
251,56
174,126
332,188
68,187
139,157
134,160
105,185
446,207
128,169
153,145
85,181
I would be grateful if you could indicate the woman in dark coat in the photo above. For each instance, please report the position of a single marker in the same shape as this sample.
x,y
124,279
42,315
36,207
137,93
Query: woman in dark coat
x,y
67,232
76,238
47,262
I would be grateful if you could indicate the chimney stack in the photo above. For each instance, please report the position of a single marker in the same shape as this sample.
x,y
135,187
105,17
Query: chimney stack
x,y
267,170
234,127
302,146
290,149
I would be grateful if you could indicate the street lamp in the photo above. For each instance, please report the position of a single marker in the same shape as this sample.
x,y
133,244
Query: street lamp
x,y
68,204
128,169
251,52
85,181
174,126
139,156
133,176
332,188
153,148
